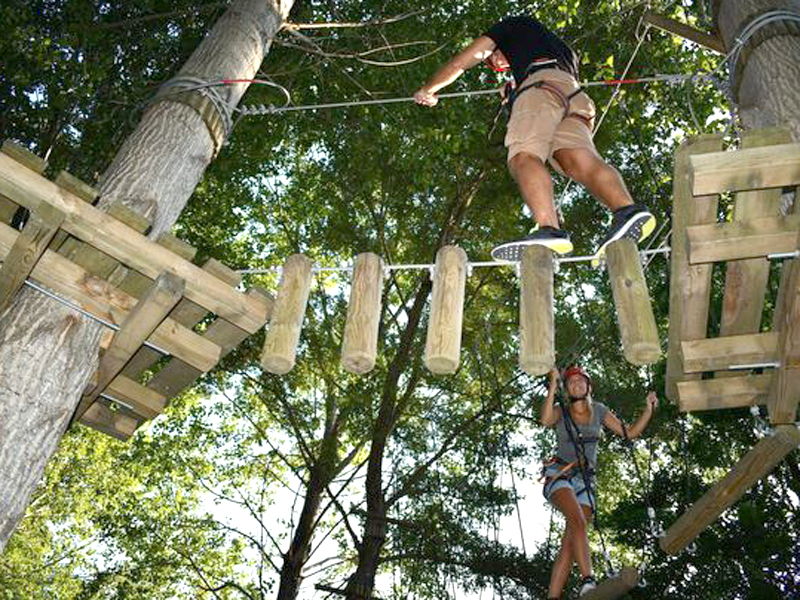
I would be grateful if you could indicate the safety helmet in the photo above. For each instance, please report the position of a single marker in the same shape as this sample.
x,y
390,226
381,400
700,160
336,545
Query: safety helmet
x,y
576,370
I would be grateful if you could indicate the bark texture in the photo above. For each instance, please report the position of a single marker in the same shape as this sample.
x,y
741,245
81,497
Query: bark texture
x,y
48,352
768,92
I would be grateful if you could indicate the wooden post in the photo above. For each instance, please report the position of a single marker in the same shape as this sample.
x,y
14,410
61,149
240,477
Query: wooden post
x,y
785,392
537,353
614,587
360,340
684,31
283,335
27,250
690,286
755,465
637,324
443,343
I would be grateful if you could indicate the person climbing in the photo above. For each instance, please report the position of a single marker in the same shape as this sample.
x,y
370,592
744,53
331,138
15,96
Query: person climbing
x,y
569,476
551,120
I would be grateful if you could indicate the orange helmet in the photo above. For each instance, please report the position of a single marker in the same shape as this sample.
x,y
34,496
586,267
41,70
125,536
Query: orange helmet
x,y
576,370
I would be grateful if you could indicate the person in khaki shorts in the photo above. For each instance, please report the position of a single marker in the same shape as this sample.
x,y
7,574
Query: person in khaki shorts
x,y
551,121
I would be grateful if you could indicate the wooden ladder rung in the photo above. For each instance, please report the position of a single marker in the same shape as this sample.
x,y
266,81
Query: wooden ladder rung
x,y
728,392
717,354
114,423
746,169
756,238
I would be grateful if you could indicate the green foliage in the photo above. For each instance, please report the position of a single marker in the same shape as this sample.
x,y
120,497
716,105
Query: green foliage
x,y
204,502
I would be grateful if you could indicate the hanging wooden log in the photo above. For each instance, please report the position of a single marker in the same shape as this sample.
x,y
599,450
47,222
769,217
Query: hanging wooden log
x,y
637,324
755,465
283,335
537,353
443,342
614,587
360,340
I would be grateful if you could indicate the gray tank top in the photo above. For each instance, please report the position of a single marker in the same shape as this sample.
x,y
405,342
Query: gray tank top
x,y
590,433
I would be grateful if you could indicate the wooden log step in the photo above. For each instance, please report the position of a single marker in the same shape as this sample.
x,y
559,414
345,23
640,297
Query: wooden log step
x,y
537,340
129,247
727,392
755,465
138,325
755,238
114,423
443,340
283,334
714,354
637,323
101,299
28,248
746,169
615,587
360,338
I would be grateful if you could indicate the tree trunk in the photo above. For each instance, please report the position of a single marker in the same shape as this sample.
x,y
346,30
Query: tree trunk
x,y
322,473
47,352
768,89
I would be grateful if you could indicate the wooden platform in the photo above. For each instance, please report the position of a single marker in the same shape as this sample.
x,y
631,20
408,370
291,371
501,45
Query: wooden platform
x,y
745,364
151,291
706,373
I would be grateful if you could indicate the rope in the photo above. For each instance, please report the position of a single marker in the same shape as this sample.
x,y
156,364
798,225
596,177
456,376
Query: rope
x,y
431,266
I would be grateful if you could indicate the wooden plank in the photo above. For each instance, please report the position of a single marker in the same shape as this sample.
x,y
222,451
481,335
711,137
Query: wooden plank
x,y
615,587
785,393
99,263
131,248
706,40
755,238
724,352
26,251
730,392
143,401
22,155
113,423
138,325
755,465
177,376
747,169
689,287
746,280
186,313
101,299
80,189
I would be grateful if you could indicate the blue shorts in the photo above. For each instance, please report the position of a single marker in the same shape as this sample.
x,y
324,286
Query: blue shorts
x,y
574,482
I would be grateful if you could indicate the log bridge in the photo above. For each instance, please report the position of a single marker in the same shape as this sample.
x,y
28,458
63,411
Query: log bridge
x,y
171,320
746,364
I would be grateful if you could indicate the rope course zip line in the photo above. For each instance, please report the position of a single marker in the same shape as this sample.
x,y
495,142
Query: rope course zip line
x,y
470,265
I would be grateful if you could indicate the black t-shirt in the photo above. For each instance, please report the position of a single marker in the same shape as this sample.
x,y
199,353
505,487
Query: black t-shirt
x,y
523,40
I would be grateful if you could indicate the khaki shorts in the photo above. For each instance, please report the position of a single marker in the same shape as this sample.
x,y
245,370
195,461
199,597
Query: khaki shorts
x,y
537,125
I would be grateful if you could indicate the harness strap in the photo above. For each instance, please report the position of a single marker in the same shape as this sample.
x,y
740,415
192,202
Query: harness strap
x,y
547,86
